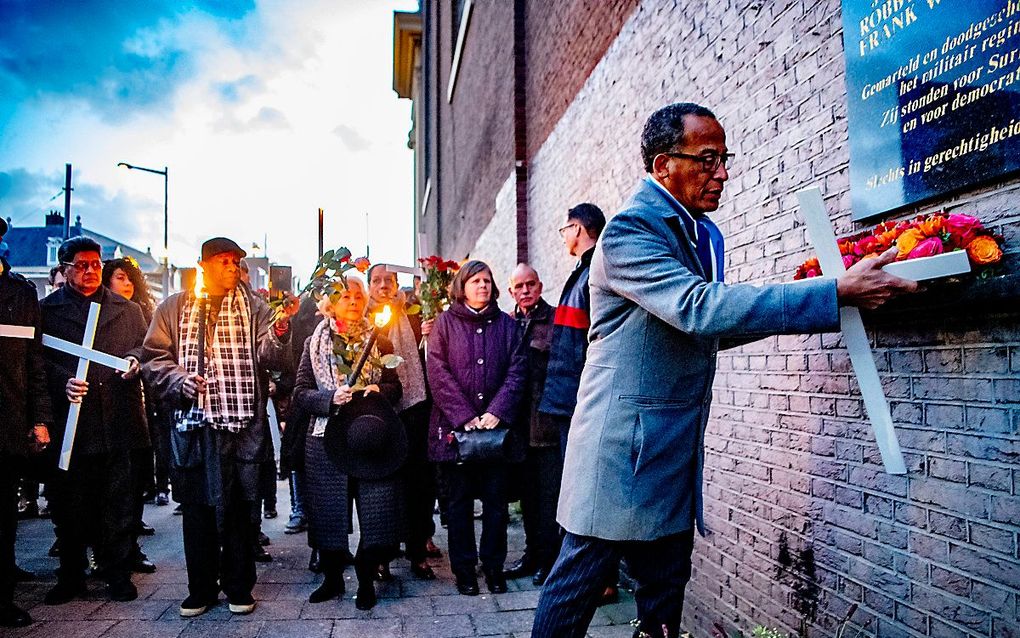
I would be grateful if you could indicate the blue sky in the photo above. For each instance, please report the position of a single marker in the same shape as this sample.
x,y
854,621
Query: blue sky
x,y
263,112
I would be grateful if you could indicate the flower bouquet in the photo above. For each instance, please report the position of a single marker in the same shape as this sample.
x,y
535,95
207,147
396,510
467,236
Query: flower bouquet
x,y
923,237
435,286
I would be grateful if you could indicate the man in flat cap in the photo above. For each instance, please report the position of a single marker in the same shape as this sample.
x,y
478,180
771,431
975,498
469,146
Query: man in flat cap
x,y
219,433
24,416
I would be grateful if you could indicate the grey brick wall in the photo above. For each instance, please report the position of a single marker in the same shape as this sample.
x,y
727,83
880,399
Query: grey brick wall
x,y
804,521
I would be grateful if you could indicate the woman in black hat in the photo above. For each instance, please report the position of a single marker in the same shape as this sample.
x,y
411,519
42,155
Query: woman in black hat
x,y
355,446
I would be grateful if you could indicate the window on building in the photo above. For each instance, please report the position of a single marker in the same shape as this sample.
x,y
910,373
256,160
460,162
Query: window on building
x,y
51,252
461,17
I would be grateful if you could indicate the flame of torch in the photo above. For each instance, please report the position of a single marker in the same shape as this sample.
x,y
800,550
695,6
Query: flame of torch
x,y
202,311
383,317
380,319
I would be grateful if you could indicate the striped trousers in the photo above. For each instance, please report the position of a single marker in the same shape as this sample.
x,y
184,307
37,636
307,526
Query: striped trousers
x,y
661,568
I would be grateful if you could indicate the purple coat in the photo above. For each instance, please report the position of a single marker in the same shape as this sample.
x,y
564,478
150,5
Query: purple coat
x,y
475,365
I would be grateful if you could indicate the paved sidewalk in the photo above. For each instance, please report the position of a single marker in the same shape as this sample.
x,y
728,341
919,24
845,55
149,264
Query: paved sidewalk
x,y
407,607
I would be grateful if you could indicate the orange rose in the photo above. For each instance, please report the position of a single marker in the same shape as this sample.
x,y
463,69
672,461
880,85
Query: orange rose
x,y
932,226
907,240
984,250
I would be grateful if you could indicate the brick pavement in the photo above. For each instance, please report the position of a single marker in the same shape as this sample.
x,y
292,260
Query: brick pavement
x,y
407,607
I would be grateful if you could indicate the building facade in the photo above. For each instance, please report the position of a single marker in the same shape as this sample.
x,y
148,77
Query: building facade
x,y
33,252
524,108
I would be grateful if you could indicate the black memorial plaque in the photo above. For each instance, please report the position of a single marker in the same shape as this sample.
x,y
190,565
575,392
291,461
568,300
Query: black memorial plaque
x,y
934,97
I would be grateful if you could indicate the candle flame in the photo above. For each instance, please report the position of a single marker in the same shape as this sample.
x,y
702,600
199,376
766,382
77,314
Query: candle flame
x,y
199,282
383,317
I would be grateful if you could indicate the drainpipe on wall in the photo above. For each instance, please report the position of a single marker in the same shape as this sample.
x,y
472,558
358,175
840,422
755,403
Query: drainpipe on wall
x,y
521,129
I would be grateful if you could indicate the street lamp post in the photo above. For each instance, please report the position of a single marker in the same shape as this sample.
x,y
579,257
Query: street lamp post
x,y
166,220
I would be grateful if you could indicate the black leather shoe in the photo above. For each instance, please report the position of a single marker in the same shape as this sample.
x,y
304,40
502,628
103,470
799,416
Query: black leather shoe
x,y
314,564
467,585
264,540
365,599
521,568
145,530
64,592
383,575
495,581
142,565
262,556
271,513
423,571
539,578
13,616
328,591
346,558
22,575
431,551
121,591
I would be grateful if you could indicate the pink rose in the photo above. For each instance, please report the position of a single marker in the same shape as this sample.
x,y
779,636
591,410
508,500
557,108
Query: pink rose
x,y
962,229
865,246
849,260
926,248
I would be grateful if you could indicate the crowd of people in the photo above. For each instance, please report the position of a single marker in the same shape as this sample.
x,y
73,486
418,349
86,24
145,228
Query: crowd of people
x,y
385,420
165,427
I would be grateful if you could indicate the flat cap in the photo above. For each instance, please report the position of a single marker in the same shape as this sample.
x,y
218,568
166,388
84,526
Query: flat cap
x,y
218,245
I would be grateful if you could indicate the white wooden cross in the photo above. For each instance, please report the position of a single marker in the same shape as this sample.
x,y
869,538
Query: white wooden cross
x,y
856,339
17,332
85,355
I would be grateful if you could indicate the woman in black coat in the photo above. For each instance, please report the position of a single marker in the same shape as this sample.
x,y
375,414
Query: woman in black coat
x,y
320,388
476,372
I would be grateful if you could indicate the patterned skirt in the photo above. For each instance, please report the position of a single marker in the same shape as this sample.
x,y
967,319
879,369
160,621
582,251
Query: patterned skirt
x,y
379,503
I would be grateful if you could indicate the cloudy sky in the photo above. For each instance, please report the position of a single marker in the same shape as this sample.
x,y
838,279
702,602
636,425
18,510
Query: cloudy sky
x,y
263,111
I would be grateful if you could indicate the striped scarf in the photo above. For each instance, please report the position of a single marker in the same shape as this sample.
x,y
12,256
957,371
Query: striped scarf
x,y
229,400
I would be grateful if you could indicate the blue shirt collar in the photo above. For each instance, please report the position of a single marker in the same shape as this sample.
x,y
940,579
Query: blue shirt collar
x,y
686,217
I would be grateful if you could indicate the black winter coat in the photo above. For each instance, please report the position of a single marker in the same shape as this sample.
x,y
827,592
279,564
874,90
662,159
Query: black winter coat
x,y
24,401
112,415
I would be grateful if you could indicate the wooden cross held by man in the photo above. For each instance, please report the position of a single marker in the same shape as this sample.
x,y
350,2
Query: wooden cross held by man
x,y
85,355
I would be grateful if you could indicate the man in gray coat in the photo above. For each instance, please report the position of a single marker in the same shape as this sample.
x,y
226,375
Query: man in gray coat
x,y
660,311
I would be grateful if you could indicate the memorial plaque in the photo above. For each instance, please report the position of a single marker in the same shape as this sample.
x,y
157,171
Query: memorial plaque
x,y
934,97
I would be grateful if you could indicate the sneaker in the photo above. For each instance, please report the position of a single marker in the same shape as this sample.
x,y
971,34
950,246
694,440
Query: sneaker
x,y
243,606
162,499
270,513
194,606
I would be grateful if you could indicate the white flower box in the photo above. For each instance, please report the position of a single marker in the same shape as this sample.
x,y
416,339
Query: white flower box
x,y
921,268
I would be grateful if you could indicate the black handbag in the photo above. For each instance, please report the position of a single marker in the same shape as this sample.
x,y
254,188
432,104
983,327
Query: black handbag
x,y
481,445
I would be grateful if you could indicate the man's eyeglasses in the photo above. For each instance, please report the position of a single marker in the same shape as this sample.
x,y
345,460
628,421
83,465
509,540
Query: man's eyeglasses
x,y
567,227
84,266
710,162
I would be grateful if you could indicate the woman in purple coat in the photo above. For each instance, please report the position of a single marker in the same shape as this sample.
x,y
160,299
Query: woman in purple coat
x,y
476,372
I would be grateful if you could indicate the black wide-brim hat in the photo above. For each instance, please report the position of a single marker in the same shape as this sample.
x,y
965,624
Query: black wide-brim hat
x,y
365,438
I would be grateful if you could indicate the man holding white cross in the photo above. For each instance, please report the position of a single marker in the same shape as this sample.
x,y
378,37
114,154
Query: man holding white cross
x,y
24,415
90,500
659,314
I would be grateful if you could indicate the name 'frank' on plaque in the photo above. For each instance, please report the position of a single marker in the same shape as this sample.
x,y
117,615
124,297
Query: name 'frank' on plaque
x,y
934,97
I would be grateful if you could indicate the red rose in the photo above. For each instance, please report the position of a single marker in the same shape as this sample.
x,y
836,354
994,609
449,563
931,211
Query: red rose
x,y
926,248
865,246
962,229
452,265
362,264
441,266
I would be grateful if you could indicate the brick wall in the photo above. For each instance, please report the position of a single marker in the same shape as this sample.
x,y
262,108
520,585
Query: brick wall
x,y
804,522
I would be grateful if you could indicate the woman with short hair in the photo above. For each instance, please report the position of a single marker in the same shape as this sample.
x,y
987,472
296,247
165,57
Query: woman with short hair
x,y
476,373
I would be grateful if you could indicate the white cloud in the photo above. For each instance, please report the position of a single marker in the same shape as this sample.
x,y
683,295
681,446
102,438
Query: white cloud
x,y
250,137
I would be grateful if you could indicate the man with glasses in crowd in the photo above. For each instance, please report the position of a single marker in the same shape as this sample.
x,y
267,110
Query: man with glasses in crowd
x,y
632,477
89,501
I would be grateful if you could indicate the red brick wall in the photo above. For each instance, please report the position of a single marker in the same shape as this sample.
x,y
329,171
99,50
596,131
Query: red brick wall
x,y
565,40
